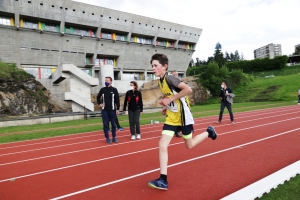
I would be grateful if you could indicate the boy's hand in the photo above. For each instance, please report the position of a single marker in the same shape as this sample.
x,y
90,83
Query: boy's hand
x,y
165,101
163,111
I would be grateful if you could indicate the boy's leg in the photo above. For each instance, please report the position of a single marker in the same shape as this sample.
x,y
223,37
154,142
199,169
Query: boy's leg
x,y
163,151
187,133
167,135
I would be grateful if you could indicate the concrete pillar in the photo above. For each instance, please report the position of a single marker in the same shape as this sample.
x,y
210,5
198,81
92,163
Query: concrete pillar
x,y
62,30
176,43
145,74
129,36
17,39
154,40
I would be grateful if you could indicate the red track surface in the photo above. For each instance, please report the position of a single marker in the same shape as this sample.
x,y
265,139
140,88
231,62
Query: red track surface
x,y
83,166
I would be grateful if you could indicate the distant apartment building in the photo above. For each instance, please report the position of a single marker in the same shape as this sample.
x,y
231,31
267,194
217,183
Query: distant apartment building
x,y
270,51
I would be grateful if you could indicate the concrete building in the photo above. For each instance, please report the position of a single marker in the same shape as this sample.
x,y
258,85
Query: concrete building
x,y
40,35
270,51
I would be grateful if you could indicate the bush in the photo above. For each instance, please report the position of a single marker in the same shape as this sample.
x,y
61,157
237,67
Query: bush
x,y
212,76
278,62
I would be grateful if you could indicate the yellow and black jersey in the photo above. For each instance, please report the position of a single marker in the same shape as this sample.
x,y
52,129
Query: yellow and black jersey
x,y
178,112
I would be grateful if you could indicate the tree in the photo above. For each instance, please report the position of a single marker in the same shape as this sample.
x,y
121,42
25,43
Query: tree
x,y
297,51
218,55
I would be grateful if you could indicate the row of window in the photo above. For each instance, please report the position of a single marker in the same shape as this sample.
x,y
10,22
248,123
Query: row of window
x,y
110,17
101,61
39,73
91,33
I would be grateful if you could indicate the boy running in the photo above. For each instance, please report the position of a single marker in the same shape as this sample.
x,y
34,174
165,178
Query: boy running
x,y
178,116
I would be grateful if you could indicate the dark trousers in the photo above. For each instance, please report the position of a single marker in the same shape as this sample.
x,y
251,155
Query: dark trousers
x,y
298,98
134,121
228,106
117,122
109,116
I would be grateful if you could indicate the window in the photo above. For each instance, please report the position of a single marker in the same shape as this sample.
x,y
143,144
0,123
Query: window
x,y
140,39
5,21
79,31
162,42
30,24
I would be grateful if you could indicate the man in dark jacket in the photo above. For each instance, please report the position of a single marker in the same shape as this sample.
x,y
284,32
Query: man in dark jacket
x,y
225,91
108,99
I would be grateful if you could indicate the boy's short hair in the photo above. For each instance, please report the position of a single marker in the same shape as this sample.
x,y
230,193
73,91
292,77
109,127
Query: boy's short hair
x,y
161,58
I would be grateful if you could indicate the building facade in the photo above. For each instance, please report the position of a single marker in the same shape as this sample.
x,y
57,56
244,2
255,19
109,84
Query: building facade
x,y
270,51
39,35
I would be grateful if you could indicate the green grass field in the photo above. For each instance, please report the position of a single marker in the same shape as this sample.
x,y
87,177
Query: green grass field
x,y
279,88
288,191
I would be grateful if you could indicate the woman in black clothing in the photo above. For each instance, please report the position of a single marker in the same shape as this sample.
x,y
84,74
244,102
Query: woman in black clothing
x,y
135,107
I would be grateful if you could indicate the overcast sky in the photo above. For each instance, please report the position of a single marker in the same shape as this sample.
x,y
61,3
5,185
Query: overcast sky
x,y
242,25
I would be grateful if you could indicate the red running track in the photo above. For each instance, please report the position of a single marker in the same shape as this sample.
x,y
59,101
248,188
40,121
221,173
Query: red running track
x,y
83,166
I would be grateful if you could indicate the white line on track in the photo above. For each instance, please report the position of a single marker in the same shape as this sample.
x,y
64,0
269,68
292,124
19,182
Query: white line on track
x,y
172,165
75,165
71,144
242,113
97,134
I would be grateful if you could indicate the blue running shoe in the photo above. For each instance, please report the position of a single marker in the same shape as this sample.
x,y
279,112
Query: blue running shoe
x,y
158,184
108,141
212,133
121,129
115,140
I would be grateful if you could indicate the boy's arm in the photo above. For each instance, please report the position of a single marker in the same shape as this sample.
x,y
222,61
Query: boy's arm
x,y
185,90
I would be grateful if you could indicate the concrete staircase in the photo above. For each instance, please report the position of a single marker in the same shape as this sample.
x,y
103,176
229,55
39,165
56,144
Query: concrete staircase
x,y
79,93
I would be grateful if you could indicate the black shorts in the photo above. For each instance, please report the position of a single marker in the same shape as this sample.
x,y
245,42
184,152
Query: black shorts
x,y
185,130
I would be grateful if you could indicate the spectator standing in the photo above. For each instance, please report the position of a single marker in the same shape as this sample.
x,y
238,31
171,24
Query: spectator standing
x,y
226,96
135,107
108,99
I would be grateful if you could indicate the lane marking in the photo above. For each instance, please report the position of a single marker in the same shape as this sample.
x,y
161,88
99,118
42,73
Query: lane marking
x,y
79,164
67,153
172,165
71,144
92,132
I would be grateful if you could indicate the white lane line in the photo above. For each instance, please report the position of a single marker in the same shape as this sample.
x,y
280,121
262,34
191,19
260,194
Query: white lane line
x,y
84,163
93,132
78,151
71,144
244,114
172,165
122,154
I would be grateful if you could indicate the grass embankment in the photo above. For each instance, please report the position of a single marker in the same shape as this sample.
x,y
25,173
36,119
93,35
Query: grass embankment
x,y
278,88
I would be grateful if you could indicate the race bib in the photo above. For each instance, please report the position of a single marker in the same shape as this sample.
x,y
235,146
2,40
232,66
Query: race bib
x,y
172,106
